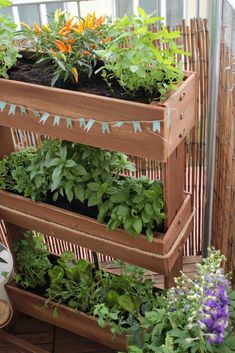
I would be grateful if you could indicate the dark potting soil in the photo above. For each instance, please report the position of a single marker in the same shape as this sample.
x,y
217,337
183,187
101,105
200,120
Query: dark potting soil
x,y
75,206
26,70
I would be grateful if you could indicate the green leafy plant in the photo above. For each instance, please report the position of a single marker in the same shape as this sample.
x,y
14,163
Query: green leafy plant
x,y
8,51
194,317
89,175
135,205
68,44
141,60
32,259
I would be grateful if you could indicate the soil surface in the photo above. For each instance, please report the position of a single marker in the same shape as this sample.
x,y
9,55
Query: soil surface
x,y
26,70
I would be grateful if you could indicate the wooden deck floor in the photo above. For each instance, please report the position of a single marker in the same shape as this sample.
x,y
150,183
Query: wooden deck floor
x,y
55,340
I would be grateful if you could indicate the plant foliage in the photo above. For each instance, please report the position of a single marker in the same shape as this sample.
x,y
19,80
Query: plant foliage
x,y
141,60
8,51
194,317
88,175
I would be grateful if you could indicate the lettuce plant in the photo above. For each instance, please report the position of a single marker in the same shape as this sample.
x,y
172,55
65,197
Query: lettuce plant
x,y
8,51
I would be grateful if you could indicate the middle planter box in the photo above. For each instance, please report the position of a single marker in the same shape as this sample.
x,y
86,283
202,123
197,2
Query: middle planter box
x,y
158,256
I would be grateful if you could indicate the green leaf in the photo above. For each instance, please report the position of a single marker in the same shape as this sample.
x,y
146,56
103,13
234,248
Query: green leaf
x,y
93,186
92,201
60,63
148,209
126,303
80,170
137,225
119,197
123,211
70,163
79,193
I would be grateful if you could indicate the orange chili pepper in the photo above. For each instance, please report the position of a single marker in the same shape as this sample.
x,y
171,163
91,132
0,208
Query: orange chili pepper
x,y
75,73
69,48
80,27
100,20
62,30
53,52
86,52
106,40
68,24
100,33
65,34
72,41
61,46
38,30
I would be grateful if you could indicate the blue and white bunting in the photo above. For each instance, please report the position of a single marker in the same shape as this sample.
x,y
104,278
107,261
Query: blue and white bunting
x,y
2,106
89,125
105,127
56,121
136,126
118,124
23,110
44,118
69,123
36,114
12,109
82,122
86,124
168,117
156,126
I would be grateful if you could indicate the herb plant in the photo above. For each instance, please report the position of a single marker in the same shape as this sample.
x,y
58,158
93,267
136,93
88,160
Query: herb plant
x,y
32,259
194,317
91,176
69,44
8,51
141,60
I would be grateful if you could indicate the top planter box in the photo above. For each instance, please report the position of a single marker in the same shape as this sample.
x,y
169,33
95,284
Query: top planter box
x,y
162,125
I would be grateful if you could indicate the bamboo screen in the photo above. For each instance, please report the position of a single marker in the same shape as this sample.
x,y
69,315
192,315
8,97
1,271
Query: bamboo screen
x,y
195,39
223,228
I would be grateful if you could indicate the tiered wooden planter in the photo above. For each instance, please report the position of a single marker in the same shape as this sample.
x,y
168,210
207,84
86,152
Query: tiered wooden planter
x,y
164,254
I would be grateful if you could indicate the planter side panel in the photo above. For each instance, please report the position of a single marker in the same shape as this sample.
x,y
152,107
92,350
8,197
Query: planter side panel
x,y
68,319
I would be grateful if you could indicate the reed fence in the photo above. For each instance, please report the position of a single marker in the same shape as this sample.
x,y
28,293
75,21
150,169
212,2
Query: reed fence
x,y
195,39
223,228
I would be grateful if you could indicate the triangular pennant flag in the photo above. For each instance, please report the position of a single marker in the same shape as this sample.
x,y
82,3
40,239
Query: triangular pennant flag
x,y
56,121
2,106
89,124
44,118
12,109
69,123
23,110
82,122
156,126
36,114
169,117
136,126
105,127
118,124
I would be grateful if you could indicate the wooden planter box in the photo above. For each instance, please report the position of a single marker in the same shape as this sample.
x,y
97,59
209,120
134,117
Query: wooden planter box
x,y
158,256
177,116
68,319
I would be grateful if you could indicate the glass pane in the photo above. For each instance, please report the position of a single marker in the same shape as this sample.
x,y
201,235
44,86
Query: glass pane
x,y
124,7
52,7
101,7
29,14
149,6
174,12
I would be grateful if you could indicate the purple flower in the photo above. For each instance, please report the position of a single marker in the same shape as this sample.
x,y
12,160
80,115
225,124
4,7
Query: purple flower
x,y
214,311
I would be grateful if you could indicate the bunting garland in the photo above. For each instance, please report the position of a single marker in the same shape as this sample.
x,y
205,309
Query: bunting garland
x,y
86,124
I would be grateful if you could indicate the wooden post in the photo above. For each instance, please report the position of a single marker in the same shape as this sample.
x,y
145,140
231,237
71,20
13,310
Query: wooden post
x,y
7,146
174,178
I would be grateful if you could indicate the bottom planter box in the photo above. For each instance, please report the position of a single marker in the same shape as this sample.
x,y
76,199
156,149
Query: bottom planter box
x,y
67,318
